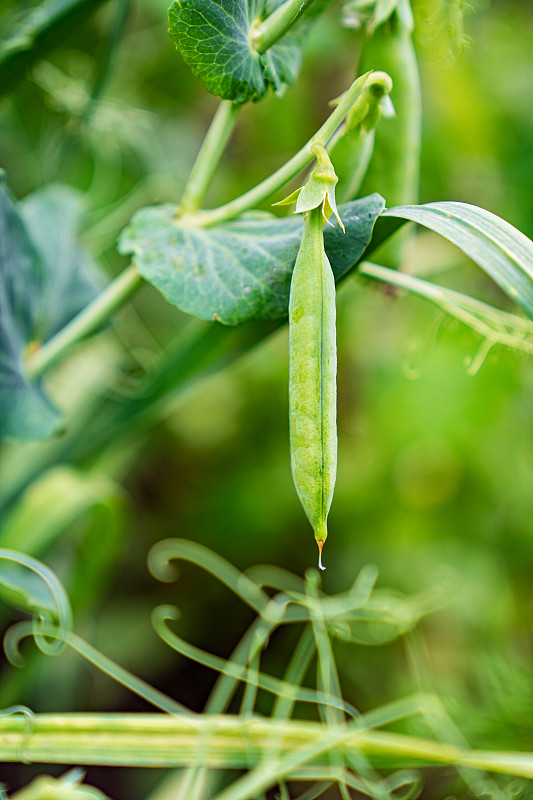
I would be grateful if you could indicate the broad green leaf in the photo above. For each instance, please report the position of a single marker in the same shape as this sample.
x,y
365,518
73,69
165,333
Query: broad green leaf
x,y
241,270
496,246
42,285
215,41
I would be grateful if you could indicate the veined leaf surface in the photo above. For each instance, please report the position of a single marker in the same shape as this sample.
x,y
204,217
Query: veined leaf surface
x,y
215,40
241,270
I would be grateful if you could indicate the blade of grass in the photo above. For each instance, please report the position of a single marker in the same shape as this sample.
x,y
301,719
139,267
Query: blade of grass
x,y
502,251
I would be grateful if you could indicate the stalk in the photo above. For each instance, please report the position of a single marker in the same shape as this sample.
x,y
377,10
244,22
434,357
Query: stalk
x,y
288,171
87,321
125,285
495,326
208,156
278,23
157,740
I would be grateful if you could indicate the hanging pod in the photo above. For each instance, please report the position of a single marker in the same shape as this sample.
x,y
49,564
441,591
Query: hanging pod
x,y
313,352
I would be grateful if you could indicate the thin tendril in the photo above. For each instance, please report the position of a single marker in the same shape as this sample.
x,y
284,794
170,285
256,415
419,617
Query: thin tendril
x,y
43,615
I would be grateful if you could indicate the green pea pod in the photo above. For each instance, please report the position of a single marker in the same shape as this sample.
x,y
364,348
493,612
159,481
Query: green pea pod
x,y
313,377
313,353
396,163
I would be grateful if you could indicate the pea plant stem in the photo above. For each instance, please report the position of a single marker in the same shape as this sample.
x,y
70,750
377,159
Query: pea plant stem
x,y
218,741
495,326
278,23
125,285
289,170
208,156
87,321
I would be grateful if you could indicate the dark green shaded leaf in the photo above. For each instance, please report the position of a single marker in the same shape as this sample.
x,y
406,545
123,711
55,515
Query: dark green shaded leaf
x,y
42,286
215,41
496,246
241,270
53,216
29,35
25,413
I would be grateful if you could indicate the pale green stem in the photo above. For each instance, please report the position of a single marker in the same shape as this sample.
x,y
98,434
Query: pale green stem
x,y
208,156
87,321
158,740
122,287
497,327
289,170
278,23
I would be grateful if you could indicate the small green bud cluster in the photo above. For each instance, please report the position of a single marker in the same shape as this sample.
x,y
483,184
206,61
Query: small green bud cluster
x,y
319,190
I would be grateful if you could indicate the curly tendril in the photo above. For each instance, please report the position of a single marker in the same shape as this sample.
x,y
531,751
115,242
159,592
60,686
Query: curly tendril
x,y
165,613
62,612
163,553
29,717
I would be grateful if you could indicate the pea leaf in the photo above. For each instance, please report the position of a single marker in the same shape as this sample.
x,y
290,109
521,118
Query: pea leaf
x,y
53,216
215,42
43,284
241,270
501,250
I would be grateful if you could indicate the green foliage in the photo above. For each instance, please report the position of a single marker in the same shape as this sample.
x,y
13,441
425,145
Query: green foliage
x,y
345,747
30,34
502,251
435,466
216,42
44,284
241,270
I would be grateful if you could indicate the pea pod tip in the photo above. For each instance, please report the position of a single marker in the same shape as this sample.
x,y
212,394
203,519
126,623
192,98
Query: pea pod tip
x,y
320,546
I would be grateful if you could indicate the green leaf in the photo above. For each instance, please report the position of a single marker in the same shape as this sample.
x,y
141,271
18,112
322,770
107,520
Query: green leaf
x,y
496,246
215,41
53,217
241,270
43,284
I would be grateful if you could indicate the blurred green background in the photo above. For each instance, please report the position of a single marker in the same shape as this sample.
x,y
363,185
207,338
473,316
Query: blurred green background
x,y
435,465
